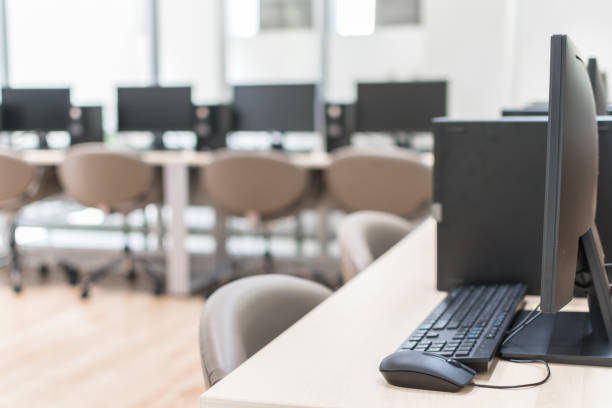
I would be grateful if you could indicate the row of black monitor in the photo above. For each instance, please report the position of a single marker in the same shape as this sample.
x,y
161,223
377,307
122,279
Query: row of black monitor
x,y
381,107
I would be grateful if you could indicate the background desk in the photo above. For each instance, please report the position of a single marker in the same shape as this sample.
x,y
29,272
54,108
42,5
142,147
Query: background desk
x,y
175,166
330,358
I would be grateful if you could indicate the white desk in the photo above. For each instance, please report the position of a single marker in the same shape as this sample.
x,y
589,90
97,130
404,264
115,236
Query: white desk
x,y
330,357
175,166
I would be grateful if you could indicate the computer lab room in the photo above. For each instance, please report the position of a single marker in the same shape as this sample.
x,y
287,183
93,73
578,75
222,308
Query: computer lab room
x,y
305,203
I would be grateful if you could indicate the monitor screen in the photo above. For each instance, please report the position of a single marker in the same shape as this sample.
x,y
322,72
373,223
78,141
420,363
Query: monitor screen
x,y
35,109
598,83
572,160
154,109
274,107
399,106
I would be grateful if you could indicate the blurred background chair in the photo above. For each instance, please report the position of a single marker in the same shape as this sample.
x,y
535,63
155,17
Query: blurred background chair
x,y
115,182
245,315
21,184
261,186
363,236
391,180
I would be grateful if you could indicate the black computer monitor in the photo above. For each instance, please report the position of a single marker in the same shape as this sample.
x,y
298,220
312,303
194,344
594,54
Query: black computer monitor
x,y
39,110
600,90
154,108
399,106
281,108
571,243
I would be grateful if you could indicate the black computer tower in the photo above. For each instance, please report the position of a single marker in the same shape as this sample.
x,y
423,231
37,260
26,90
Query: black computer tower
x,y
85,124
211,125
339,124
489,198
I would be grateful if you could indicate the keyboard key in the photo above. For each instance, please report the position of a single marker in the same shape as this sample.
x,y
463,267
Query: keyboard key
x,y
432,335
409,344
447,353
462,354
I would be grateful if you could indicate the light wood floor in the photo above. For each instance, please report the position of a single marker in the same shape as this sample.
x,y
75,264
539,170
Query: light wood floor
x,y
119,348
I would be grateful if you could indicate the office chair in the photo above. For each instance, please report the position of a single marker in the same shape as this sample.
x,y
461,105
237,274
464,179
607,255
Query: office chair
x,y
115,182
21,184
363,236
262,186
245,315
394,181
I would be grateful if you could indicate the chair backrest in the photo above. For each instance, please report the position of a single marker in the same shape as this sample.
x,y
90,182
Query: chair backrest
x,y
96,176
245,315
393,181
363,236
265,183
15,176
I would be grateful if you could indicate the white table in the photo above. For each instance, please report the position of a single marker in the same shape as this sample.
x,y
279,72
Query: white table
x,y
330,357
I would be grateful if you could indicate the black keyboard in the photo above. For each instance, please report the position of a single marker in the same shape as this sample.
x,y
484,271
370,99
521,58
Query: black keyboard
x,y
469,324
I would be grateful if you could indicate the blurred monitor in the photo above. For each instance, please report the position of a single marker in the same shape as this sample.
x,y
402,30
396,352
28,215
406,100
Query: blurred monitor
x,y
600,90
399,106
35,109
282,108
155,109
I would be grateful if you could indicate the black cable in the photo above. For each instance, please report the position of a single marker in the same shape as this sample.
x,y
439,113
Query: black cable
x,y
521,324
521,327
509,387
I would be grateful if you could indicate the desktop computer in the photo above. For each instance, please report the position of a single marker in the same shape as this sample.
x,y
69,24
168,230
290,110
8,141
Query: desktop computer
x,y
399,106
340,125
488,185
570,239
85,124
465,331
155,109
39,110
274,108
211,124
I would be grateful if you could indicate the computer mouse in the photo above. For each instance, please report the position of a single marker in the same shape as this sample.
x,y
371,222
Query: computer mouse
x,y
428,371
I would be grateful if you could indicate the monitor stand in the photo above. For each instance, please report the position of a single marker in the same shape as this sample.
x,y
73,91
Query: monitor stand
x,y
572,337
277,140
404,139
158,141
42,140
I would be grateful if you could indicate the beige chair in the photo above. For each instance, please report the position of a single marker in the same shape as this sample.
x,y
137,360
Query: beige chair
x,y
393,181
245,315
363,236
115,182
21,184
262,186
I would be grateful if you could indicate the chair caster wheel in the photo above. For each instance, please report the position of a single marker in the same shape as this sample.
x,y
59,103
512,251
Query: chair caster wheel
x,y
72,275
158,288
84,293
131,275
17,288
43,271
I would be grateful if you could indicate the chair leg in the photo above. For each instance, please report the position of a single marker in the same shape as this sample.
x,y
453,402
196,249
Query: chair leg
x,y
13,257
268,261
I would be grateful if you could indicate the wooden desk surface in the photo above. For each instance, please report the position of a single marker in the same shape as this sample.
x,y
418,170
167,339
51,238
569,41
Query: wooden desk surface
x,y
330,357
313,161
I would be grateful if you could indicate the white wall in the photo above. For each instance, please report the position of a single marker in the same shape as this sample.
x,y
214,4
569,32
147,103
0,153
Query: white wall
x,y
587,22
190,37
467,42
294,56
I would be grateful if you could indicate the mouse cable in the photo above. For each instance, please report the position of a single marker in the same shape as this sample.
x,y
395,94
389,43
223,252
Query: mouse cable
x,y
510,387
534,314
